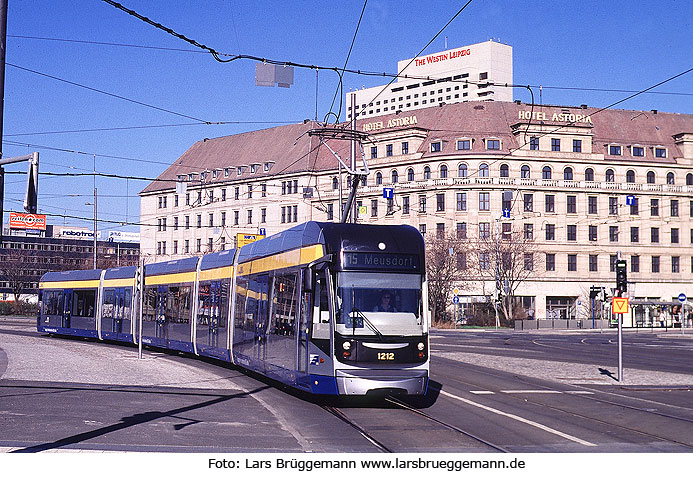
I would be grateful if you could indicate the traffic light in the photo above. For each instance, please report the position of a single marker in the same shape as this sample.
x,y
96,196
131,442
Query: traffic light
x,y
621,279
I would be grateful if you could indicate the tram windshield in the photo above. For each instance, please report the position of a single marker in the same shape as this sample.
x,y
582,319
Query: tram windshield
x,y
379,304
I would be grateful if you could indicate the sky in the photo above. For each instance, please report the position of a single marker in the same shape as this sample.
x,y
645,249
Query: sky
x,y
140,107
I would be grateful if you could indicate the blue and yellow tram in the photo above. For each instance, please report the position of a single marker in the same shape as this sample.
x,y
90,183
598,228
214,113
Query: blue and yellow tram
x,y
323,307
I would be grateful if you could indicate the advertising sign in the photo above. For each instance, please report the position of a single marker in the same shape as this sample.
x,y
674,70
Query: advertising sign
x,y
27,221
244,239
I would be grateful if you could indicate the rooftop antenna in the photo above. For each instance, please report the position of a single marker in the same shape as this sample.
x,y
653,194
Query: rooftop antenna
x,y
446,42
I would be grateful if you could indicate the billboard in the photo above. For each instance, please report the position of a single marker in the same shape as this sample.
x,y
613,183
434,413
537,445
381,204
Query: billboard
x,y
243,239
20,220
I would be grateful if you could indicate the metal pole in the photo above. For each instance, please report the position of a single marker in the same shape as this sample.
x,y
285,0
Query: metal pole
x,y
353,154
620,334
141,306
3,40
95,244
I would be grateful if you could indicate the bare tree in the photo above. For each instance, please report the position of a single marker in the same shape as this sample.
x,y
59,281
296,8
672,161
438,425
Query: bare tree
x,y
15,268
446,267
506,258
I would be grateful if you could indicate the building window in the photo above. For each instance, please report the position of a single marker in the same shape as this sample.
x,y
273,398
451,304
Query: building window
x,y
577,146
568,174
236,219
504,171
199,221
443,172
660,153
427,172
613,233
528,202
550,232
484,230
263,189
378,178
394,177
546,172
615,150
591,204
534,143
529,262
462,171
250,216
592,235
593,261
550,262
388,150
440,230
655,264
650,177
654,207
674,235
589,174
675,264
422,204
689,179
436,146
374,152
211,219
405,147
638,151
654,235
571,204
630,176
493,144
572,262
613,206
410,174
635,263
405,205
484,261
263,215
571,232
461,201
524,172
635,234
612,262
483,170
610,177
634,207
555,144
198,245
374,208
422,229
549,203
462,230
330,211
464,144
484,201
674,208
529,231
670,178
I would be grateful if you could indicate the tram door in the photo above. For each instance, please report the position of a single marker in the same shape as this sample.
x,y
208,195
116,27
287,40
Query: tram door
x,y
118,310
67,308
303,324
160,323
209,316
262,316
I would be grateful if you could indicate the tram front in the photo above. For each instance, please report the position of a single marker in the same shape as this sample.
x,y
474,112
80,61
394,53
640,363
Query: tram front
x,y
381,313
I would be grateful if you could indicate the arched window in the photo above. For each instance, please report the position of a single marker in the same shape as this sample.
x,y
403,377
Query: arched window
x,y
378,178
546,172
589,174
483,170
670,178
650,177
568,174
630,176
462,171
443,171
427,172
410,174
504,171
395,176
610,177
524,171
689,179
335,183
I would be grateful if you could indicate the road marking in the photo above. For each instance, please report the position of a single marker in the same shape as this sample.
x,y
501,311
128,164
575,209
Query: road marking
x,y
481,392
579,392
530,391
518,418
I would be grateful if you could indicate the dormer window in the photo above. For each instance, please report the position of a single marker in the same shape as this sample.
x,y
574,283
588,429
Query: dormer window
x,y
436,146
191,176
614,150
227,172
493,144
239,170
464,144
638,151
268,165
214,174
660,152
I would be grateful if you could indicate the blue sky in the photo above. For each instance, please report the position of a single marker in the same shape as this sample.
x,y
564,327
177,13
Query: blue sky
x,y
585,44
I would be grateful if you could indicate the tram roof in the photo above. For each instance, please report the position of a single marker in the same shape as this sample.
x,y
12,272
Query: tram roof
x,y
189,264
88,274
218,259
120,272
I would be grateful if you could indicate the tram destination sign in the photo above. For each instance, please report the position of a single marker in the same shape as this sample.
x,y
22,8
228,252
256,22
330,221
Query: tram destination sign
x,y
381,261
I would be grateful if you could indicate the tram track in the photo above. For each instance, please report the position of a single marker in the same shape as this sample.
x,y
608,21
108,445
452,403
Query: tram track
x,y
573,413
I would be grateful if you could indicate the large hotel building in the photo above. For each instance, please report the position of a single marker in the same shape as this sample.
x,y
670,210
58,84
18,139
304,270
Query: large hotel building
x,y
585,184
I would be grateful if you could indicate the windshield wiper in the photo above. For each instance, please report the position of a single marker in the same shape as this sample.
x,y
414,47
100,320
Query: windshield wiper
x,y
368,323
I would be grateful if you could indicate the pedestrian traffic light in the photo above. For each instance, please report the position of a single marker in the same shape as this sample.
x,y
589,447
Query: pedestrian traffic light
x,y
621,279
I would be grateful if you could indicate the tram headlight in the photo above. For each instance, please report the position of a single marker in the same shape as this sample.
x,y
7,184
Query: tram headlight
x,y
346,345
420,346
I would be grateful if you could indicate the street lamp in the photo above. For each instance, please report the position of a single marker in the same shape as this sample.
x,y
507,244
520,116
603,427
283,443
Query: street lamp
x,y
95,223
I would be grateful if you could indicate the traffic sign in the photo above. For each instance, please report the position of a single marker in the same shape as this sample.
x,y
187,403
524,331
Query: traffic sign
x,y
630,200
619,305
506,212
455,300
456,291
682,297
262,231
388,193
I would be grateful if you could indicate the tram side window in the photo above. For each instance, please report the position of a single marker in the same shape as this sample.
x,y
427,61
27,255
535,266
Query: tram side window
x,y
108,303
178,304
83,302
204,304
127,307
284,305
53,302
321,311
149,309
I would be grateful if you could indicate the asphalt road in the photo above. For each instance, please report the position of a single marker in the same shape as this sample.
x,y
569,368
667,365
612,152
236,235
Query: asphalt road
x,y
490,391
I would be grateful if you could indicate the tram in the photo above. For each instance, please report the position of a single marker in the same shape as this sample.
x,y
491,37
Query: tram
x,y
333,309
